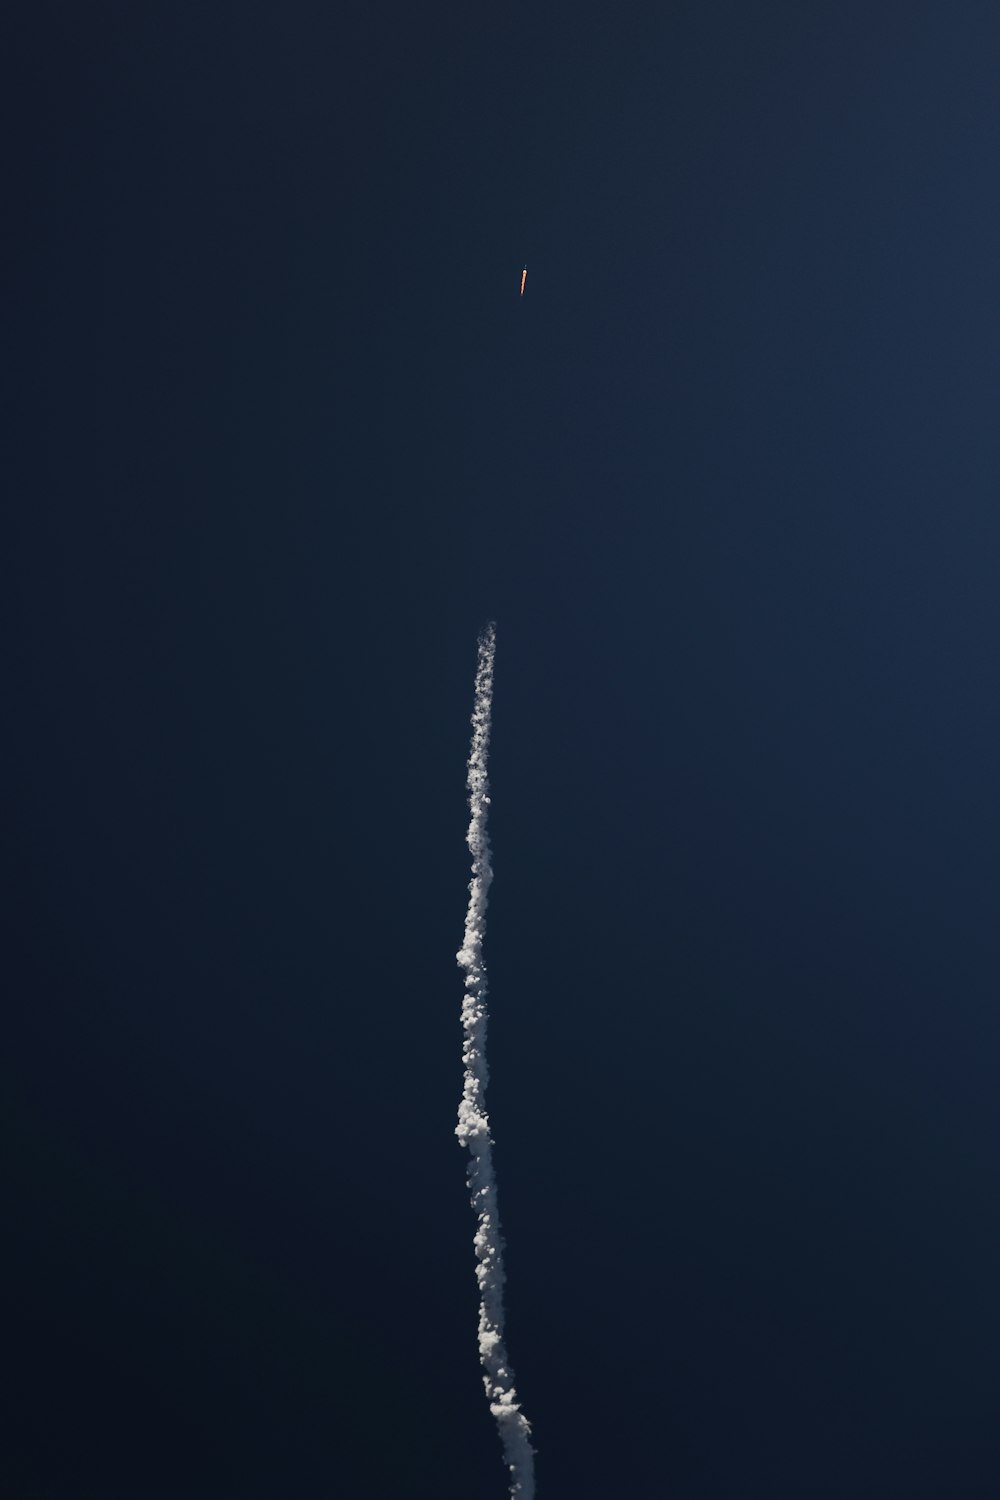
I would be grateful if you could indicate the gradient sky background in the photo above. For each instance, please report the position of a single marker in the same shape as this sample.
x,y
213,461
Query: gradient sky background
x,y
282,438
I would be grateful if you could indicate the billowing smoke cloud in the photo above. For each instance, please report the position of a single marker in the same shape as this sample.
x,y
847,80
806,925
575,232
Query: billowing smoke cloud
x,y
473,1128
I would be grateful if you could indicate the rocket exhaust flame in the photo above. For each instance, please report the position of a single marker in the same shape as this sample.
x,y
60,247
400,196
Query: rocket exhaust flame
x,y
473,1129
524,277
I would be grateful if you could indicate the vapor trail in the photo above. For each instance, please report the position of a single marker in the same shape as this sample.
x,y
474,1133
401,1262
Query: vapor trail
x,y
473,1128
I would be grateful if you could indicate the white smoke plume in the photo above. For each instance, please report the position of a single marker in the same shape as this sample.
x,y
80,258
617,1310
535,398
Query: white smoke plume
x,y
473,1128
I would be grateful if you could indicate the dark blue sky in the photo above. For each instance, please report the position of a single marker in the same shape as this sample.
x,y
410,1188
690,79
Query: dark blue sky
x,y
283,438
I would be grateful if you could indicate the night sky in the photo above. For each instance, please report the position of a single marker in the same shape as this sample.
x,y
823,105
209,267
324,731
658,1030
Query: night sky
x,y
281,438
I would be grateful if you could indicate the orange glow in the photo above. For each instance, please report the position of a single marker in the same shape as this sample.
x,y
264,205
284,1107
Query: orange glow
x,y
524,277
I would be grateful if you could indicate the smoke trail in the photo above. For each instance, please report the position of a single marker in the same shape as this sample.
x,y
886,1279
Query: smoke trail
x,y
473,1128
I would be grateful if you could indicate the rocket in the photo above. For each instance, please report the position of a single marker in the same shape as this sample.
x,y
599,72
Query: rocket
x,y
524,277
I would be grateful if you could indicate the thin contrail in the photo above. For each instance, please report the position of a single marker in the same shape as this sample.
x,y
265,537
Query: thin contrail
x,y
473,1128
